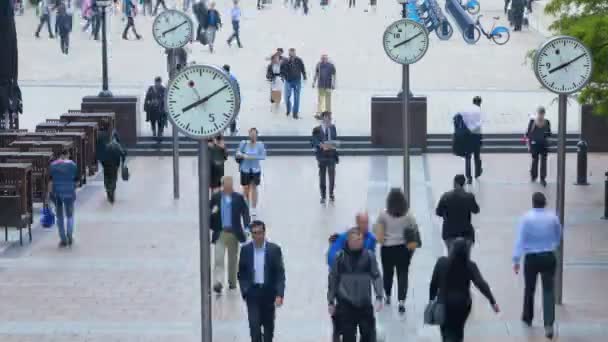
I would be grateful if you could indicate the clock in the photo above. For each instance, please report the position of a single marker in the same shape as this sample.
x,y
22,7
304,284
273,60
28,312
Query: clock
x,y
563,65
405,41
172,29
202,101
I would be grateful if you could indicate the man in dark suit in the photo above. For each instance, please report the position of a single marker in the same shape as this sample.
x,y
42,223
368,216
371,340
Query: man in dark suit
x,y
227,210
323,141
262,282
456,207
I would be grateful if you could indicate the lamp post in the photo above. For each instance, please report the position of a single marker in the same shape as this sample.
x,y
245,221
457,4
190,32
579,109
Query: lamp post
x,y
103,4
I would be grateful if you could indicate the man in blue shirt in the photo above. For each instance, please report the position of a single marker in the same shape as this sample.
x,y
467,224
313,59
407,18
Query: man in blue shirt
x,y
64,175
235,15
130,12
538,237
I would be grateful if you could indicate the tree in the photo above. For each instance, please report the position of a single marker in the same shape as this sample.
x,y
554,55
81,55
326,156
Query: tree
x,y
587,20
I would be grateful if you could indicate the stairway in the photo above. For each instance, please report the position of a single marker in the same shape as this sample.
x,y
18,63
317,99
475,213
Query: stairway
x,y
350,145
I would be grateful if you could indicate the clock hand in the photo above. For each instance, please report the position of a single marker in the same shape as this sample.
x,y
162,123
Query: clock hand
x,y
174,28
407,40
203,100
566,64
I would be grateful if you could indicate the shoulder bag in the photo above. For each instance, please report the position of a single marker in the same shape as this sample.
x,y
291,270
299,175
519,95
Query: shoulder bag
x,y
434,312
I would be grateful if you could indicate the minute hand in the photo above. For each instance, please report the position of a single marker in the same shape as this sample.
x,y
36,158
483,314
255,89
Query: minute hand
x,y
407,40
203,100
566,64
173,28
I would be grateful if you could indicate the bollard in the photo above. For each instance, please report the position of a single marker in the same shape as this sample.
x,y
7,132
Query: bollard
x,y
606,198
581,163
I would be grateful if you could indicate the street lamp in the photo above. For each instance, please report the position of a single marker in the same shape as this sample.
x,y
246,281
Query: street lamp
x,y
103,4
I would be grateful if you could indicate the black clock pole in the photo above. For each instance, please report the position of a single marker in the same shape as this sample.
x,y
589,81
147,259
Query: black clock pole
x,y
405,85
172,66
561,190
204,245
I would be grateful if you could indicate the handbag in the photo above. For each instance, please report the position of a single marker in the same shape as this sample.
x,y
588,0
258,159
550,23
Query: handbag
x,y
434,313
47,217
124,172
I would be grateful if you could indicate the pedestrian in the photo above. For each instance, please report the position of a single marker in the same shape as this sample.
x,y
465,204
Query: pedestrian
x,y
273,75
349,292
352,3
86,14
235,15
114,156
229,216
456,207
538,238
146,5
517,10
249,154
324,142
63,178
537,134
154,106
472,121
262,282
397,232
305,6
200,12
324,4
325,79
130,13
217,158
96,13
226,68
186,5
293,71
451,285
64,27
337,242
45,18
212,24
158,3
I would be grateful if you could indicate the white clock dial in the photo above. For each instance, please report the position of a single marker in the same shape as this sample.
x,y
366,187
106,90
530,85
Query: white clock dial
x,y
563,65
172,29
405,41
202,101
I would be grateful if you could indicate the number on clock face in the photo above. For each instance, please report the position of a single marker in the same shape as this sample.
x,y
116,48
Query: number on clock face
x,y
563,65
202,100
405,41
172,29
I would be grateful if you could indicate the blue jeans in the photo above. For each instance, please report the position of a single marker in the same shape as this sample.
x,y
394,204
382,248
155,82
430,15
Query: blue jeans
x,y
295,87
66,204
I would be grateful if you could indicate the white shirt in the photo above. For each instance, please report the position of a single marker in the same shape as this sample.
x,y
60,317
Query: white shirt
x,y
472,119
259,263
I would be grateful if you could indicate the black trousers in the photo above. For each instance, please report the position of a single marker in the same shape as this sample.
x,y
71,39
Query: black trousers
x,y
261,313
395,258
518,18
159,2
45,18
96,26
110,176
457,310
327,168
158,127
130,25
351,3
538,152
543,264
467,163
350,318
64,42
235,33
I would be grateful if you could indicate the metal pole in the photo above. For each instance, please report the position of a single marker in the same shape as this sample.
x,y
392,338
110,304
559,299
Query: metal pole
x,y
561,193
105,92
406,130
205,245
172,62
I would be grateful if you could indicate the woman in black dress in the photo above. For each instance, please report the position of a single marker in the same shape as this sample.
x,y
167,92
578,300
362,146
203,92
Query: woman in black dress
x,y
451,281
217,158
539,130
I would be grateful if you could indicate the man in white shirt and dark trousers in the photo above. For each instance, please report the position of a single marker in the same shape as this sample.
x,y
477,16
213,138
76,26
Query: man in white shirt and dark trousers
x,y
262,281
538,237
472,120
323,142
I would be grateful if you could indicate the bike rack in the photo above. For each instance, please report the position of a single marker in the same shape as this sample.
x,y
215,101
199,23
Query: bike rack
x,y
465,23
429,13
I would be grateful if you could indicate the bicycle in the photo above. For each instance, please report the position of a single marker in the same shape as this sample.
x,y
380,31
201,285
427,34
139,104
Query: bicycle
x,y
471,6
498,34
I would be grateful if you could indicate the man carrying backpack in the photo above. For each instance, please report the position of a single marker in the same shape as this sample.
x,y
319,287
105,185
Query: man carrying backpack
x,y
349,294
111,155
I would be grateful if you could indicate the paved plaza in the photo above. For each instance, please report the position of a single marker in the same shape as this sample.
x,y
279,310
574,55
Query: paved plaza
x,y
450,74
133,272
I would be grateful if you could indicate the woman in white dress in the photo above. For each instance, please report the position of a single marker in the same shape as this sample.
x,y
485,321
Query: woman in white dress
x,y
273,75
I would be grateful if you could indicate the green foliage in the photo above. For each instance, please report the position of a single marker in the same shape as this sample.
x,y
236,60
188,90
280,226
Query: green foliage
x,y
588,21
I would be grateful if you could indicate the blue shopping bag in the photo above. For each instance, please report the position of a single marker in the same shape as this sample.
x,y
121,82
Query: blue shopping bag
x,y
47,217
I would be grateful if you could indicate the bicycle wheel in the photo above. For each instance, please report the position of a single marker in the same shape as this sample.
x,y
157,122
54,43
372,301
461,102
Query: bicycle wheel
x,y
471,35
444,35
474,9
501,38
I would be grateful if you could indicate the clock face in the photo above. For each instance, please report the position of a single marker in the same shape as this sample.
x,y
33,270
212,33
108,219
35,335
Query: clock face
x,y
563,65
172,29
202,101
405,41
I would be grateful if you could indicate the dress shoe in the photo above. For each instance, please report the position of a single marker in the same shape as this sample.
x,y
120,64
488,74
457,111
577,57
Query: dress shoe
x,y
63,244
543,183
549,332
322,200
332,198
217,288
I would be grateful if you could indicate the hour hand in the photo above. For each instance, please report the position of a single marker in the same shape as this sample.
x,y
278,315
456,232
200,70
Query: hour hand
x,y
407,40
203,100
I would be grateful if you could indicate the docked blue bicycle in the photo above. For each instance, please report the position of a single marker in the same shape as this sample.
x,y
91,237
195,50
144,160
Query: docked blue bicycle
x,y
471,6
498,34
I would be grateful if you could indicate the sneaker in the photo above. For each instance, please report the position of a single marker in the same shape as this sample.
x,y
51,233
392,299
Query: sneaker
x,y
232,287
332,198
229,43
295,116
470,181
543,183
401,308
70,240
527,322
287,113
322,200
63,244
217,288
387,301
549,332
139,37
